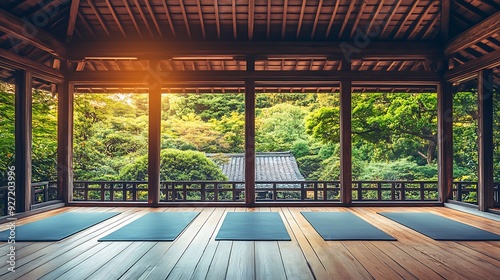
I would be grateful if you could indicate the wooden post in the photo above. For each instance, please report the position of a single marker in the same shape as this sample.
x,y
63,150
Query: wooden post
x,y
345,142
154,147
65,141
445,141
250,135
485,139
23,100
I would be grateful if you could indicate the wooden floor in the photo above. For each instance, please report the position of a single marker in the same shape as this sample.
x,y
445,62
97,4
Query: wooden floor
x,y
196,255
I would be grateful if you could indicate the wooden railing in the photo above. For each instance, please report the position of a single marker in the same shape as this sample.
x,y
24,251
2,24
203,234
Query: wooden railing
x,y
231,191
395,191
467,192
41,192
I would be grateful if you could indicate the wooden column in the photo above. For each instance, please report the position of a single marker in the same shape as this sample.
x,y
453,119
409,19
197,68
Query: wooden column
x,y
154,143
485,139
445,141
345,142
250,135
23,102
65,141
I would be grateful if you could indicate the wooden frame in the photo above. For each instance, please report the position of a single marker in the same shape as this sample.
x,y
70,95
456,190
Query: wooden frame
x,y
65,141
23,124
445,141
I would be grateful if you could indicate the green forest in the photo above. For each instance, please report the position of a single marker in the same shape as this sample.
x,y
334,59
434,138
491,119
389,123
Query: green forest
x,y
394,134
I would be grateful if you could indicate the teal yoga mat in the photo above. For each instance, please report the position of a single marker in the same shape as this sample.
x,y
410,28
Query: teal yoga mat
x,y
253,226
440,228
155,226
57,227
344,226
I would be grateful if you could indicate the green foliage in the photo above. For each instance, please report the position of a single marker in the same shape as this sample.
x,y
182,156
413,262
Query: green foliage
x,y
176,165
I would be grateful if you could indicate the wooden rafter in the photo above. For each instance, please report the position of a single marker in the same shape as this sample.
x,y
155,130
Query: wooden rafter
x,y
375,16
301,18
412,31
115,17
479,32
217,18
233,14
153,17
202,23
82,19
132,18
358,18
445,19
99,17
43,40
346,20
169,17
283,23
316,18
11,61
389,19
429,28
406,18
138,6
332,19
471,8
251,18
268,23
469,69
73,14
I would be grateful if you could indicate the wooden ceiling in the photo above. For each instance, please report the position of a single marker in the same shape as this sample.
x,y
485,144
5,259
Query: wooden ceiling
x,y
199,22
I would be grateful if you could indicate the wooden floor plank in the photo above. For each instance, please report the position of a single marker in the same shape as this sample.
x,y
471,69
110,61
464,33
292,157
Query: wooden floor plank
x,y
197,255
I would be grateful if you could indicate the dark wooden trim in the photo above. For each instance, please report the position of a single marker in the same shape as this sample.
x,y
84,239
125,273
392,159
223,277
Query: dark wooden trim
x,y
250,136
469,69
257,204
13,61
477,33
23,124
65,142
161,50
128,78
445,141
154,147
485,139
345,142
27,31
73,14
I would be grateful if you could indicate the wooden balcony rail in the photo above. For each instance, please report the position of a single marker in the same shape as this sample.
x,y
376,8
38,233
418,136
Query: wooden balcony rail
x,y
41,192
395,191
466,191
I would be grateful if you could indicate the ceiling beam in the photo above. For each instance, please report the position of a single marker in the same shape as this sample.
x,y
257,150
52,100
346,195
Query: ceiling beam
x,y
12,61
146,50
73,14
445,19
469,69
124,78
471,36
28,32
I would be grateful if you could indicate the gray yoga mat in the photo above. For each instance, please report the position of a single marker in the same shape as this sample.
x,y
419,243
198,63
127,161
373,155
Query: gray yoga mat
x,y
57,227
155,226
440,228
344,226
253,226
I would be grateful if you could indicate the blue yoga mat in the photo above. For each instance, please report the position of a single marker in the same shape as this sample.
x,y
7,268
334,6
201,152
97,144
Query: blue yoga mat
x,y
155,226
253,226
57,227
344,226
441,228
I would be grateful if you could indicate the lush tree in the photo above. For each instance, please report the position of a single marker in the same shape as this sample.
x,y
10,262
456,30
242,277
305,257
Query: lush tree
x,y
176,165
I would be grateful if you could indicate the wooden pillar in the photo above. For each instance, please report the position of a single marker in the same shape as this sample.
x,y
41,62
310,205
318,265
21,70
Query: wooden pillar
x,y
65,141
250,136
23,103
154,147
345,142
485,138
445,141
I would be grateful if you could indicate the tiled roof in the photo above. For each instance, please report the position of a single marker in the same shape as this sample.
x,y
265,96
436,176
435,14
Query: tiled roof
x,y
273,166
